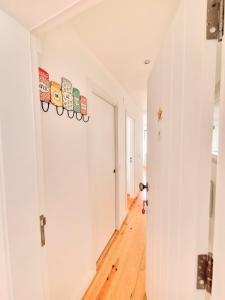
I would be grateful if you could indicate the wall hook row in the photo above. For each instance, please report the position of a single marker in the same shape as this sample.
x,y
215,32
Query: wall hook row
x,y
63,96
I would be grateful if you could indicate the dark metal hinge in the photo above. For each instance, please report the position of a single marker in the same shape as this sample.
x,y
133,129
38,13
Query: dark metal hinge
x,y
42,229
215,20
205,272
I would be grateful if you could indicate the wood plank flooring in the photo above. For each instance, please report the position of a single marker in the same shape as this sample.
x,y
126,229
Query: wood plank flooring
x,y
121,272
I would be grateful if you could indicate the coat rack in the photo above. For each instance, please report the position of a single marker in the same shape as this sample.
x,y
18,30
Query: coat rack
x,y
63,96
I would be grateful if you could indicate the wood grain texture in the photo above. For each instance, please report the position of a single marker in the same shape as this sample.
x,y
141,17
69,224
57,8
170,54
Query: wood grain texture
x,y
121,274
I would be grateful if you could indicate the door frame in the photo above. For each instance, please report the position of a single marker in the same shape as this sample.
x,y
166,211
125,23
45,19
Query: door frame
x,y
5,274
35,57
218,290
128,115
95,89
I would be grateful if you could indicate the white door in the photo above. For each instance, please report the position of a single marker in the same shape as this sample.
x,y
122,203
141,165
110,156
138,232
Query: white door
x,y
102,171
130,155
180,109
218,290
19,162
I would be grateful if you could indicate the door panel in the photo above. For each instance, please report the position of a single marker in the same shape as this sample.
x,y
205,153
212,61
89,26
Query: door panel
x,y
102,175
182,85
19,158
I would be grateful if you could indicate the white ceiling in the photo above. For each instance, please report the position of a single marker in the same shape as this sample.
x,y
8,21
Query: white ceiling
x,y
121,33
33,13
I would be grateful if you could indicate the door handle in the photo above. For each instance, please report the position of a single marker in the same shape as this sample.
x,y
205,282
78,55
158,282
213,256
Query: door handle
x,y
143,186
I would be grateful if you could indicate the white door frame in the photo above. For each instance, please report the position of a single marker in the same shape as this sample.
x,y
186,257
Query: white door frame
x,y
95,89
218,290
128,115
35,54
5,275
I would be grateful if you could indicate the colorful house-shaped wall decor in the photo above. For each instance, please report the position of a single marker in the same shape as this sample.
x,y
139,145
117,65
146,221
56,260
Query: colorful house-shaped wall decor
x,y
76,101
44,88
63,96
67,96
56,97
83,108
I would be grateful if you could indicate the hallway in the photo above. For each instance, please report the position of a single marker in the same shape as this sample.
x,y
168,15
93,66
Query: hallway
x,y
121,273
101,90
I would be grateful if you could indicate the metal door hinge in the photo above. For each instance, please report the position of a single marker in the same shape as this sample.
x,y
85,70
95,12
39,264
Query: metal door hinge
x,y
215,20
42,229
205,272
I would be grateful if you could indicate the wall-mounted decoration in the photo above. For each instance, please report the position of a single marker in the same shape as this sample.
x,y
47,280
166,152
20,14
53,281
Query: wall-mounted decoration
x,y
67,96
56,97
83,108
44,87
63,96
76,101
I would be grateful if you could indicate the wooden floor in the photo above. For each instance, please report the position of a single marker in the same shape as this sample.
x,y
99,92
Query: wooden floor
x,y
121,269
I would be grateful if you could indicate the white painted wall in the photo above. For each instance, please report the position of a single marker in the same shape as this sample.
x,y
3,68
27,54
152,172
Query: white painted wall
x,y
18,185
66,162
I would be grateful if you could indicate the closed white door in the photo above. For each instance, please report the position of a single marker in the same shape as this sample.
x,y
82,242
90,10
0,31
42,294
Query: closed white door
x,y
18,165
130,155
102,171
180,111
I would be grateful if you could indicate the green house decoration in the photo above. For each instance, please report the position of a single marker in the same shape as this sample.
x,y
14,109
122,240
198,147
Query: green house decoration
x,y
76,100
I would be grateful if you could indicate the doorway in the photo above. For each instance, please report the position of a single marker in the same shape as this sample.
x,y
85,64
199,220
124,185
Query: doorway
x,y
130,162
213,178
102,154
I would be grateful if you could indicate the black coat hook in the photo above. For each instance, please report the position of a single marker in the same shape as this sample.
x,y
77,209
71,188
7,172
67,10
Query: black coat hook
x,y
45,108
87,119
58,112
79,118
70,114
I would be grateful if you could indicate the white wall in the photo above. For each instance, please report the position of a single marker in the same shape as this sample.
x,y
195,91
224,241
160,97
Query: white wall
x,y
66,166
18,171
